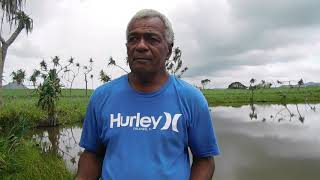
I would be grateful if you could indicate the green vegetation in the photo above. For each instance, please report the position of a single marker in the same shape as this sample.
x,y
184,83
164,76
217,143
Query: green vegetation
x,y
26,162
271,95
71,108
27,93
22,102
49,92
22,159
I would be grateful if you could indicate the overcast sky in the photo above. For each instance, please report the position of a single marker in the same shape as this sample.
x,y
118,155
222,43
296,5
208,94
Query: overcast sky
x,y
222,40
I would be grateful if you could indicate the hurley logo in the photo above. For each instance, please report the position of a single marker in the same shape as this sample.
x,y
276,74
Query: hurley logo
x,y
139,122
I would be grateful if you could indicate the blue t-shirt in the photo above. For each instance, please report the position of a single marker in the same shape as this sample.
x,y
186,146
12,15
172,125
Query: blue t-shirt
x,y
147,135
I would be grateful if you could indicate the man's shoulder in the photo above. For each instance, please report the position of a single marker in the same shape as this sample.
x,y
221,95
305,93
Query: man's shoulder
x,y
186,89
189,94
106,88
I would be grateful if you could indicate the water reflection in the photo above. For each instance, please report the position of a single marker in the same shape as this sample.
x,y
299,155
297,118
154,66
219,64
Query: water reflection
x,y
283,113
254,143
62,142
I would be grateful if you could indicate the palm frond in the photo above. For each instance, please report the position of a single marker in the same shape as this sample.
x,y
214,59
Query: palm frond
x,y
23,20
10,7
104,77
18,76
111,61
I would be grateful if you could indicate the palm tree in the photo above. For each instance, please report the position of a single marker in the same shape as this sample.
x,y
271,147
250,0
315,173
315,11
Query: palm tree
x,y
300,83
43,65
9,8
55,61
174,65
112,62
34,76
71,72
19,19
49,92
204,82
104,77
18,76
86,71
252,81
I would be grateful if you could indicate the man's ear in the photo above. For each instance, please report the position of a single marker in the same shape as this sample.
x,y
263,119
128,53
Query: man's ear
x,y
170,46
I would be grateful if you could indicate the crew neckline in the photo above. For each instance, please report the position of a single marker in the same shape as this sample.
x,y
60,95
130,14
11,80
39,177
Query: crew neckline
x,y
148,94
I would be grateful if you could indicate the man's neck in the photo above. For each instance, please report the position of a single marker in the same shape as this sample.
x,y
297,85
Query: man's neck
x,y
147,82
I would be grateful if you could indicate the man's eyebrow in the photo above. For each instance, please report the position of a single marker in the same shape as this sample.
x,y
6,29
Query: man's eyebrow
x,y
145,33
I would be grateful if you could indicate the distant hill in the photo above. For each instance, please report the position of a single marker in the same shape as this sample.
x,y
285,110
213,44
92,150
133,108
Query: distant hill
x,y
14,85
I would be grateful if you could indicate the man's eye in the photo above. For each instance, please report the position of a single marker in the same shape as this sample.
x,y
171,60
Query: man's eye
x,y
132,39
154,39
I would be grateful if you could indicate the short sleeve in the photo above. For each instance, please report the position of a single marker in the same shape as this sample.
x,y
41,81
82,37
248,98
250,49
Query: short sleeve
x,y
90,137
201,136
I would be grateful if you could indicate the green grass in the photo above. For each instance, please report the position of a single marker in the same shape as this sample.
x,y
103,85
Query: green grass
x,y
19,102
70,110
26,93
273,95
22,158
27,162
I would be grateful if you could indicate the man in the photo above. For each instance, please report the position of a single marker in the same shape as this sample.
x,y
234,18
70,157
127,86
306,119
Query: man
x,y
139,126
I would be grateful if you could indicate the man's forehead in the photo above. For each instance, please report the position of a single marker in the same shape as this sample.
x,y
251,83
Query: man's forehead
x,y
150,24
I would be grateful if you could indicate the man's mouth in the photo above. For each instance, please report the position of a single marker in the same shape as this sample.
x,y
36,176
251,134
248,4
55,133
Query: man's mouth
x,y
141,59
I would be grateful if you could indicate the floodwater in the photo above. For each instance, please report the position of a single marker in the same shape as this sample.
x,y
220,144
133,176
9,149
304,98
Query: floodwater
x,y
256,142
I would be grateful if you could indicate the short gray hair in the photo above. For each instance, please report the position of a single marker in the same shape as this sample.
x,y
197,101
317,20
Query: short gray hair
x,y
150,13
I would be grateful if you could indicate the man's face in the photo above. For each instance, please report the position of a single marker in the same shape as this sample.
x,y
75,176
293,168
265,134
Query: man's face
x,y
147,47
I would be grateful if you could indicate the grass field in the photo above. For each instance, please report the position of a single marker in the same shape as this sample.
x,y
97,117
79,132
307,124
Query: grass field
x,y
269,96
19,102
71,107
26,93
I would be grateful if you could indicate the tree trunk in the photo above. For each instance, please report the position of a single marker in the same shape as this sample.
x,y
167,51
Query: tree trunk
x,y
52,118
252,95
3,53
1,72
1,68
4,48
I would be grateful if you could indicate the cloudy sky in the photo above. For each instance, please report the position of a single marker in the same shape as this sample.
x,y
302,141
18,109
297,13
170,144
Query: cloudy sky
x,y
222,40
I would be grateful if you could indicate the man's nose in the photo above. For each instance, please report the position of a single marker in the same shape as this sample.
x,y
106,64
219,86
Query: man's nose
x,y
142,45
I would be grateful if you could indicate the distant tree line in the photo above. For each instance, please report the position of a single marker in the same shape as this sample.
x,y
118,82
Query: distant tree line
x,y
265,85
47,80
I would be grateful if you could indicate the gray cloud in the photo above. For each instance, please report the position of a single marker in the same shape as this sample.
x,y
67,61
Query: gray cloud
x,y
277,13
25,49
44,11
224,40
244,32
